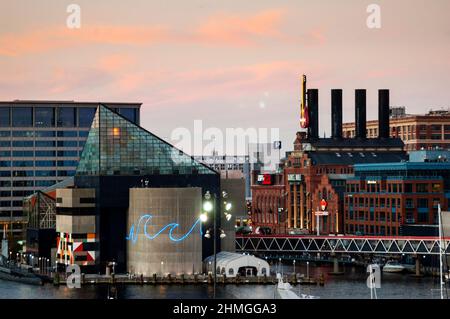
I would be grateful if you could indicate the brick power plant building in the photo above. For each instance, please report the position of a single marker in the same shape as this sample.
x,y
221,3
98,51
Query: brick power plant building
x,y
318,169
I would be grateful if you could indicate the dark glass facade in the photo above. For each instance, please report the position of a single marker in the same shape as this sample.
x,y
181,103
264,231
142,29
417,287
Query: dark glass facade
x,y
44,117
32,135
67,117
117,156
22,116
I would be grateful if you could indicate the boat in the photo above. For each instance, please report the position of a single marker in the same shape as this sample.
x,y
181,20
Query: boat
x,y
13,272
16,274
285,290
393,267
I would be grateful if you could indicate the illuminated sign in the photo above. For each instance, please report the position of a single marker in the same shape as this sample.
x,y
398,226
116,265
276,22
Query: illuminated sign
x,y
143,225
265,179
294,177
323,204
371,182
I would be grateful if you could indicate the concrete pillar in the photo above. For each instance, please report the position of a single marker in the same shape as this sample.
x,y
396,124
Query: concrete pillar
x,y
335,265
417,266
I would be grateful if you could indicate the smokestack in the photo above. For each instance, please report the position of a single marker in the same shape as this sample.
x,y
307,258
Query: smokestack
x,y
313,105
336,113
360,113
383,113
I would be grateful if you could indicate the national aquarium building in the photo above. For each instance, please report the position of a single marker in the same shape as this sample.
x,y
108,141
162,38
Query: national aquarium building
x,y
136,202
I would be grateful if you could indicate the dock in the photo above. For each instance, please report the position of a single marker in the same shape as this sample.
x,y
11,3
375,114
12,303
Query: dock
x,y
90,279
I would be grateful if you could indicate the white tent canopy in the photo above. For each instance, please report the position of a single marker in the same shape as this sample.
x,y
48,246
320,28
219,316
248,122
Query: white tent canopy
x,y
230,264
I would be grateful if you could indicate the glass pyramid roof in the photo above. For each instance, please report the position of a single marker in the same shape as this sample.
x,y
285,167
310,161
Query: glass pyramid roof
x,y
116,146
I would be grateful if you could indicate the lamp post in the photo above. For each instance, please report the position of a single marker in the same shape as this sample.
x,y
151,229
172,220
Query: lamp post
x,y
307,269
294,266
210,206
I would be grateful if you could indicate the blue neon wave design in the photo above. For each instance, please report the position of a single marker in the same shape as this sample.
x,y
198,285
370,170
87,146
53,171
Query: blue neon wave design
x,y
134,230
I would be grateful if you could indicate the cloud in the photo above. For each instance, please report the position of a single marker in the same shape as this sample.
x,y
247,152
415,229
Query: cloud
x,y
49,39
219,29
239,29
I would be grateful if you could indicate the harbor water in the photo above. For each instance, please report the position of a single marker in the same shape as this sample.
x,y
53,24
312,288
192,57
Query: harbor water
x,y
350,285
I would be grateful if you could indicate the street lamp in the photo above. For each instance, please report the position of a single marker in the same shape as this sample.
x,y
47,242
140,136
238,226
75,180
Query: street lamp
x,y
307,269
294,266
209,205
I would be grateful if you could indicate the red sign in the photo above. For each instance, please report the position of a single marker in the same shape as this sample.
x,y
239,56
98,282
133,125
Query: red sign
x,y
323,204
265,179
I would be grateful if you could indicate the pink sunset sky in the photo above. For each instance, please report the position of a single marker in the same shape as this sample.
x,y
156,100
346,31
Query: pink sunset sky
x,y
228,63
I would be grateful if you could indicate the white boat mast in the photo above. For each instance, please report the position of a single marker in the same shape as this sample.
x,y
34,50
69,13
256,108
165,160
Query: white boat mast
x,y
441,247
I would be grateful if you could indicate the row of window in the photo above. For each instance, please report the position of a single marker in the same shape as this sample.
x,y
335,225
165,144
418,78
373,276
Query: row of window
x,y
28,116
38,163
39,153
37,173
409,132
395,188
44,133
34,183
6,144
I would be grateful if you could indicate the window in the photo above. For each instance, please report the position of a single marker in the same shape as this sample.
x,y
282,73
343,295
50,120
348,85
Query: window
x,y
5,116
5,133
23,183
231,271
5,163
45,153
22,116
67,133
23,163
45,163
422,203
68,153
45,143
67,163
422,188
45,183
44,133
66,117
23,133
85,116
128,113
67,144
23,153
45,173
66,173
83,133
436,188
22,144
44,116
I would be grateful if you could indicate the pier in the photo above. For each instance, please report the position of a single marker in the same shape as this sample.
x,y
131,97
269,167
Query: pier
x,y
90,279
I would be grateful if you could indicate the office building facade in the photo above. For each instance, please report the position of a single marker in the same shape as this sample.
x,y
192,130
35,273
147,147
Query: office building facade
x,y
382,199
40,145
418,132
